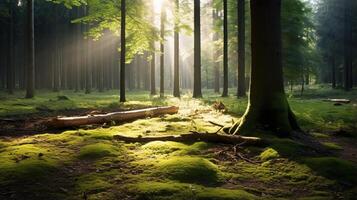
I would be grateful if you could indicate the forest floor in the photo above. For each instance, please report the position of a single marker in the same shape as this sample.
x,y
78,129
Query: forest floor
x,y
87,163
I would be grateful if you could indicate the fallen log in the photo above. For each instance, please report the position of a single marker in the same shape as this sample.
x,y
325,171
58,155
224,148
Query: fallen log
x,y
345,101
195,137
62,122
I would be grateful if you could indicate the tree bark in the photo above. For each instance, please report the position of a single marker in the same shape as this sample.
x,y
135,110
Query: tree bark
x,y
197,92
177,53
10,52
225,49
55,52
162,54
122,116
122,50
347,45
30,33
88,49
241,48
268,107
215,55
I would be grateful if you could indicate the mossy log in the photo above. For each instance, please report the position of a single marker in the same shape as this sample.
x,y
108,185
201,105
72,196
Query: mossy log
x,y
195,137
122,116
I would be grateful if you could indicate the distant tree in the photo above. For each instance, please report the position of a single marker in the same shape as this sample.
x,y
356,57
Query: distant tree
x,y
225,48
162,53
197,91
10,52
177,52
30,49
122,50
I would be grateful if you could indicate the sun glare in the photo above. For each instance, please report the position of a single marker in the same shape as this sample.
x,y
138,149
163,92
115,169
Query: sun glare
x,y
157,5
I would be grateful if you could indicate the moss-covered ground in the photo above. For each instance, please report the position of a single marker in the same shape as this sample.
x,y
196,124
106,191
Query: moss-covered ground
x,y
89,164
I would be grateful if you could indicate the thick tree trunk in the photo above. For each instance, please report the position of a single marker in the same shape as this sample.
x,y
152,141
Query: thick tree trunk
x,y
268,107
162,55
177,55
122,116
241,48
122,50
225,48
197,92
30,33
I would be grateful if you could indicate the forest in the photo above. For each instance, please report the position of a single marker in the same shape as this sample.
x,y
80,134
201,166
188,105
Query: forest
x,y
178,99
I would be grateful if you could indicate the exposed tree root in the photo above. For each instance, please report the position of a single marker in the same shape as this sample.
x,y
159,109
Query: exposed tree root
x,y
194,137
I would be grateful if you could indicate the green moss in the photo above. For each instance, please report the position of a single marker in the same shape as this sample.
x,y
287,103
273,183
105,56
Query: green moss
x,y
164,147
333,168
268,154
92,183
189,169
96,151
179,191
319,135
332,145
287,147
26,162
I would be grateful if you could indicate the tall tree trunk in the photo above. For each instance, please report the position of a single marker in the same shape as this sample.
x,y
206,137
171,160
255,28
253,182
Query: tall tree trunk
x,y
197,92
215,55
10,52
177,53
347,45
30,33
55,54
162,53
241,48
122,50
88,67
268,107
78,47
225,49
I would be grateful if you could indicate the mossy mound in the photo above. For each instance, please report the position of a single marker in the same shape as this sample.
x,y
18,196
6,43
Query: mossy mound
x,y
159,147
189,169
269,154
180,191
27,162
92,183
96,151
333,168
164,147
